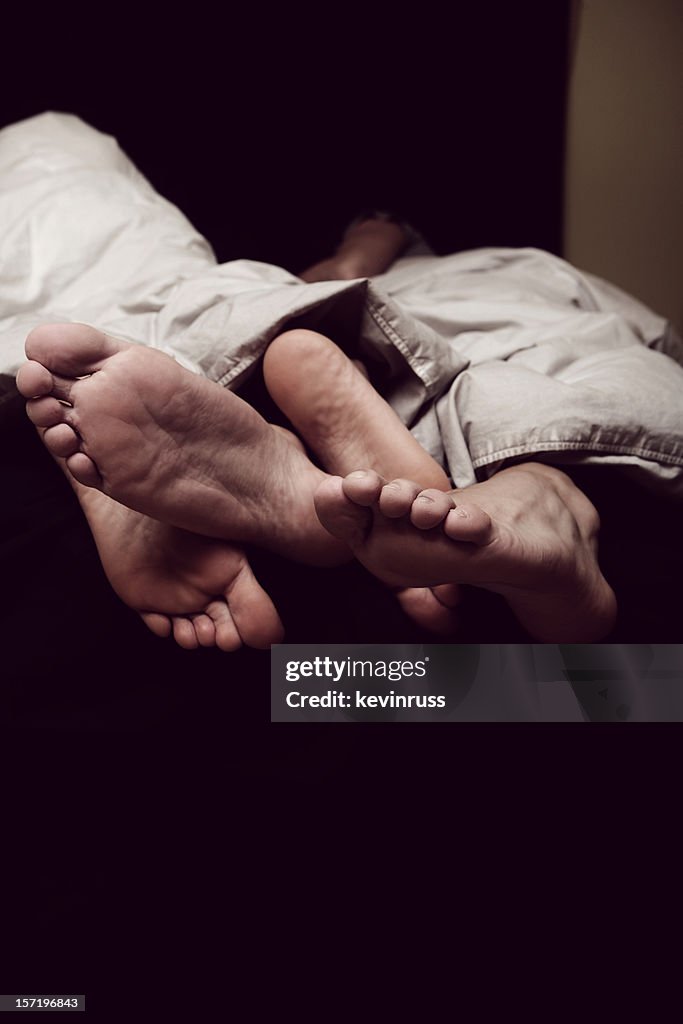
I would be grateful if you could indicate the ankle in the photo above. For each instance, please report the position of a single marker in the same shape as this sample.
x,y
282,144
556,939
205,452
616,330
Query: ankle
x,y
371,246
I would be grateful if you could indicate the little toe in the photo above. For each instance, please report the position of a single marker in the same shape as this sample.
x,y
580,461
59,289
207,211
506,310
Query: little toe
x,y
184,634
397,497
160,625
430,508
34,380
205,630
424,608
45,412
469,523
363,487
61,440
83,469
448,594
341,516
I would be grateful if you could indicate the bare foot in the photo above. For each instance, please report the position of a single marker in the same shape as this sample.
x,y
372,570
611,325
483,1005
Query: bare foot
x,y
528,534
333,406
199,589
170,444
369,247
339,414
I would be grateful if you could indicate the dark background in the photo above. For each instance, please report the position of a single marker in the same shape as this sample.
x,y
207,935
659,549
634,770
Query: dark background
x,y
270,129
153,809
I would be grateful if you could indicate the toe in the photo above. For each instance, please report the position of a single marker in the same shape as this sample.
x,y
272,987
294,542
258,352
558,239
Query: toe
x,y
363,487
397,497
34,380
160,625
205,630
469,523
253,612
45,412
83,469
184,634
61,440
430,508
227,636
340,516
424,608
61,387
448,594
71,349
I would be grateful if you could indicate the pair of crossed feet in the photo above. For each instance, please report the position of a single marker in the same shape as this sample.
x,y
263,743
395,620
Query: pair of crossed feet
x,y
174,473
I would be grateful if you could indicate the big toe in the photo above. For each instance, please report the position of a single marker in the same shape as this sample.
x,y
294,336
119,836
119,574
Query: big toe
x,y
341,516
253,613
73,350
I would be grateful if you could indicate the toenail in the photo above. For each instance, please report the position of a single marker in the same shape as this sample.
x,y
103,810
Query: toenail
x,y
426,497
358,472
461,512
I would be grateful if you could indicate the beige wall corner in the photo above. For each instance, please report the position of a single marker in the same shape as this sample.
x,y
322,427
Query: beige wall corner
x,y
624,167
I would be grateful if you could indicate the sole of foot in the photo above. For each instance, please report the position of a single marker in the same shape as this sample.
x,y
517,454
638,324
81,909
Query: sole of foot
x,y
131,422
336,410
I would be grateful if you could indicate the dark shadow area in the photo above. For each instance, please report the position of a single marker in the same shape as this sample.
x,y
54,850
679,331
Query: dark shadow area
x,y
271,136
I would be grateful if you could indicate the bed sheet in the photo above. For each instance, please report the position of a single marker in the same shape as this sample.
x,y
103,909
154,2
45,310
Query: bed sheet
x,y
489,356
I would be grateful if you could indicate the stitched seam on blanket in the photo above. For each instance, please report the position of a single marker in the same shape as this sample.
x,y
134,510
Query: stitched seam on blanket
x,y
554,446
400,344
384,326
243,364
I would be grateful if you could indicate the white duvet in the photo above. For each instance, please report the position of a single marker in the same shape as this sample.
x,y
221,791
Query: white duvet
x,y
489,355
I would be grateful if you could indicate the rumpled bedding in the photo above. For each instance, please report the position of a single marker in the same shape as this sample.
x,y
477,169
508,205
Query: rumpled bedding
x,y
489,356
